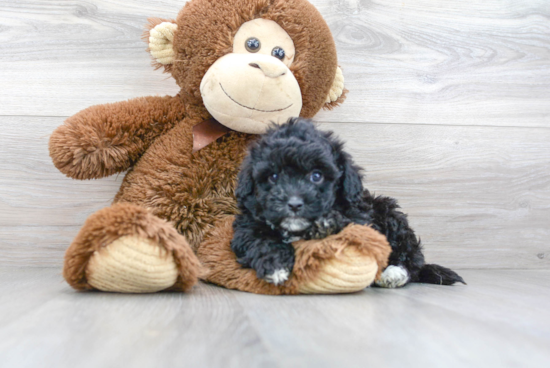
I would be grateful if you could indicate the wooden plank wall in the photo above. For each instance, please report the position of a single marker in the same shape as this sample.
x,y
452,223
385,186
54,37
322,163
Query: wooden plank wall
x,y
448,110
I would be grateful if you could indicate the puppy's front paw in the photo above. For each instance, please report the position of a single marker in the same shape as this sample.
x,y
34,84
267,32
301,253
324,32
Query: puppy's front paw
x,y
327,225
393,277
278,277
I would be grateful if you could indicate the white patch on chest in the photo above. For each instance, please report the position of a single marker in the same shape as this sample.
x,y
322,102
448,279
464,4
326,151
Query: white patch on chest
x,y
292,239
295,224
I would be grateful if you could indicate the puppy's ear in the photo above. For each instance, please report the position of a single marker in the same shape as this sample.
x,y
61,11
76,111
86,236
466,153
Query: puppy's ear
x,y
351,184
245,184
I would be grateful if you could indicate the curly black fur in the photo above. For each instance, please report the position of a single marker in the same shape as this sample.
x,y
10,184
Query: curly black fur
x,y
298,183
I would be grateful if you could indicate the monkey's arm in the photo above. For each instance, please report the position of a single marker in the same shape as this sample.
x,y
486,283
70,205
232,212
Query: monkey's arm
x,y
103,140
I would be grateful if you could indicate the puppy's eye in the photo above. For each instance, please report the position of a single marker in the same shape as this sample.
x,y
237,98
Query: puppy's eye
x,y
253,44
316,177
273,178
278,52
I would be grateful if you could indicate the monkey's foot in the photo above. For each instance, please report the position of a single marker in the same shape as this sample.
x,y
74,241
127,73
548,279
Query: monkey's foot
x,y
346,262
123,248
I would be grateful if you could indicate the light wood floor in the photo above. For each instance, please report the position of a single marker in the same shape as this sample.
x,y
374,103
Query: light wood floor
x,y
500,319
448,111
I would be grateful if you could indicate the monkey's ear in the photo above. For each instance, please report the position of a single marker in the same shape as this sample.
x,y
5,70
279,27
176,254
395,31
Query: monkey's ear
x,y
337,93
159,35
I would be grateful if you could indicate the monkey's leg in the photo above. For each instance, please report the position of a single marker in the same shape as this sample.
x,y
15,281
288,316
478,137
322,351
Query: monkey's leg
x,y
123,248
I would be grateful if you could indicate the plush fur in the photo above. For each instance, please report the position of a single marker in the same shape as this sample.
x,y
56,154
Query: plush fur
x,y
109,224
298,183
206,30
152,137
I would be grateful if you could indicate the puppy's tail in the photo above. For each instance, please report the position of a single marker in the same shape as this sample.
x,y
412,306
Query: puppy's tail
x,y
435,274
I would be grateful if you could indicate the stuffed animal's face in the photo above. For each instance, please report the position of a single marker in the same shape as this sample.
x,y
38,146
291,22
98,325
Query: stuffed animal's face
x,y
253,86
250,63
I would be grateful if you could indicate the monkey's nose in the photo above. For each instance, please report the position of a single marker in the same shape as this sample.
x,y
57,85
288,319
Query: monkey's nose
x,y
271,69
295,204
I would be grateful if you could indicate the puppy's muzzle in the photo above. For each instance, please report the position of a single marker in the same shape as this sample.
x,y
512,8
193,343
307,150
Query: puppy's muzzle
x,y
295,224
295,204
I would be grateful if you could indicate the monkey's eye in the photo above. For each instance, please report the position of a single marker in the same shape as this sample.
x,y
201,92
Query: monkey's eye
x,y
278,52
316,177
253,44
273,178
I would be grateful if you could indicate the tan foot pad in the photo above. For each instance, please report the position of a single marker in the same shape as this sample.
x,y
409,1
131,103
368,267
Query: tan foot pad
x,y
350,272
342,263
132,264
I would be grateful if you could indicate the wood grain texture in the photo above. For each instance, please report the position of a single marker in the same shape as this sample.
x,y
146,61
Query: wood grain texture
x,y
448,111
479,197
499,320
443,62
421,62
429,71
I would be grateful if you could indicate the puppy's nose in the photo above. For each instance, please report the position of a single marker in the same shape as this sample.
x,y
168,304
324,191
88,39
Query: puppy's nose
x,y
295,203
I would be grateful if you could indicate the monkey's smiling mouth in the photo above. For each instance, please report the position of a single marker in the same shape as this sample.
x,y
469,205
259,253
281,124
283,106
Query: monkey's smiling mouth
x,y
251,108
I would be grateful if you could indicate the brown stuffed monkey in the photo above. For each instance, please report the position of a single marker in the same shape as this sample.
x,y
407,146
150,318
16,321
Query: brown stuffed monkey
x,y
241,64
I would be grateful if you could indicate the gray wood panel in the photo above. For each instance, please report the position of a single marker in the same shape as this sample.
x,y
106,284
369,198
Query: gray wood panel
x,y
444,62
499,320
424,62
479,197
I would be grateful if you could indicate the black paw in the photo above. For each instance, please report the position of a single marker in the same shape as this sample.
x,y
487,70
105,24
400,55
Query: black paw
x,y
327,225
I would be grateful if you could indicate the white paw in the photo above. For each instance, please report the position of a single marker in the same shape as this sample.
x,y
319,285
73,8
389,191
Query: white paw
x,y
278,277
393,277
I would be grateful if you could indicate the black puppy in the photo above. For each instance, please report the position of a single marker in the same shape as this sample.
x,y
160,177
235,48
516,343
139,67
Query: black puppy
x,y
298,183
